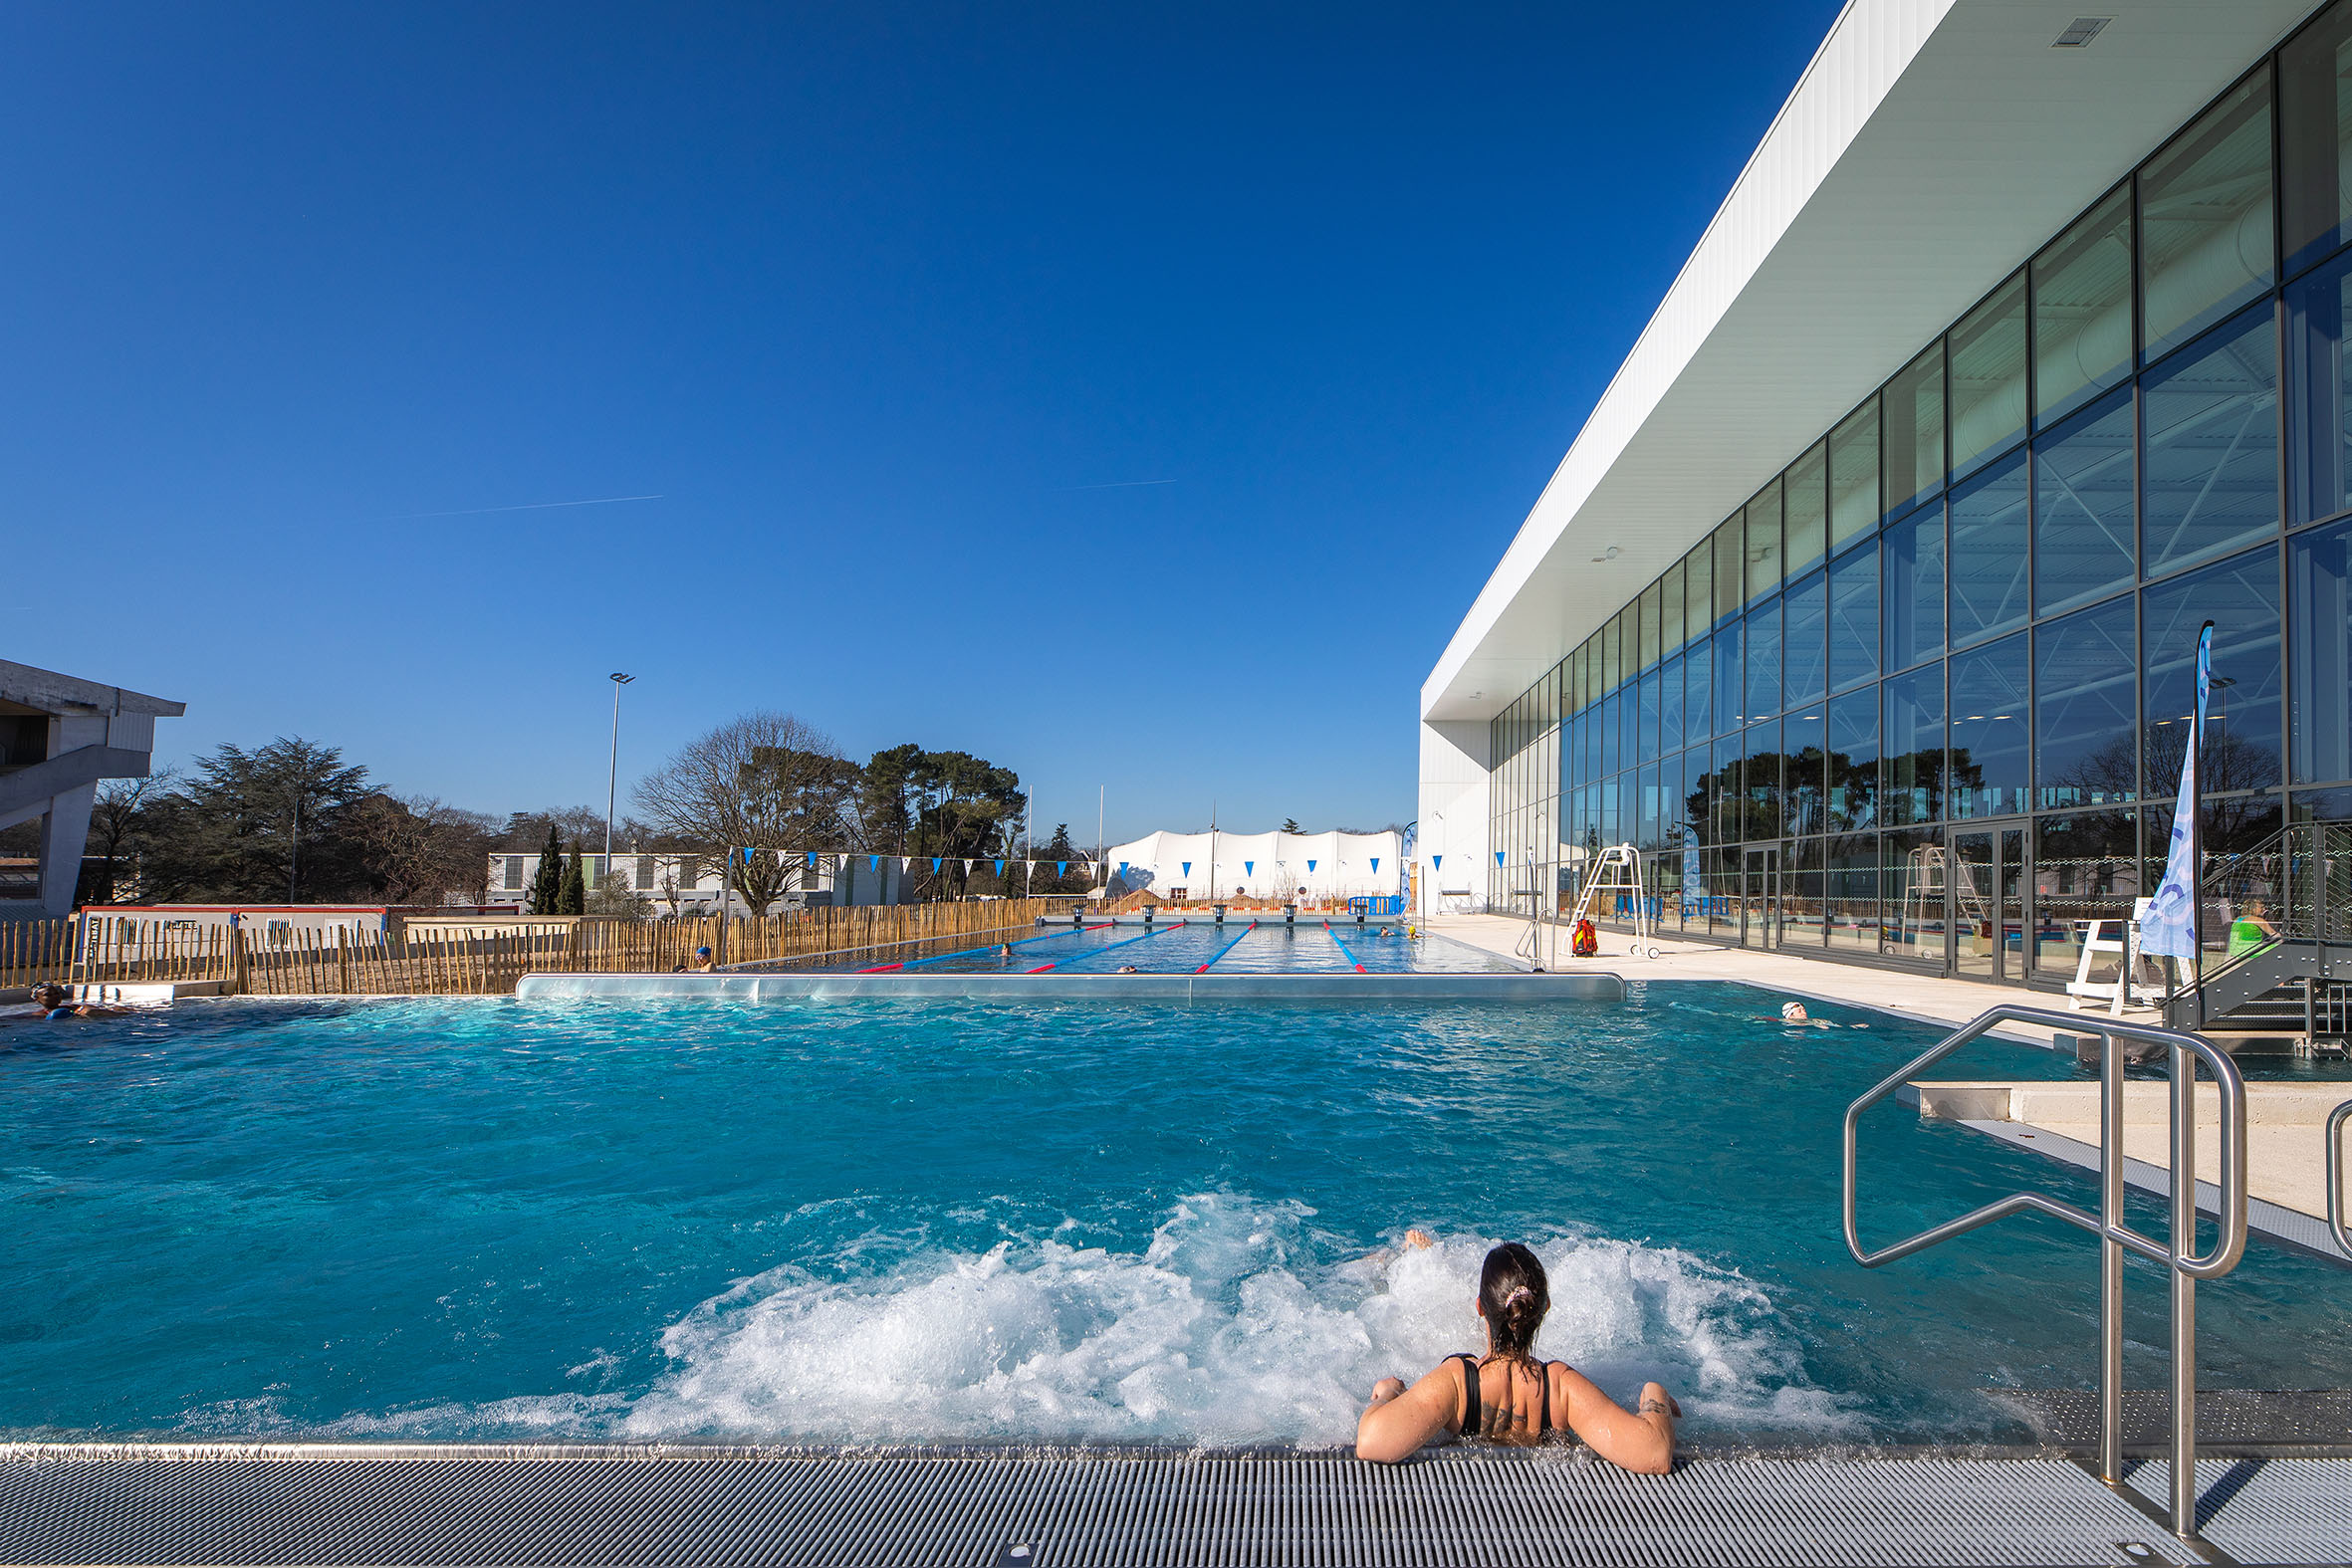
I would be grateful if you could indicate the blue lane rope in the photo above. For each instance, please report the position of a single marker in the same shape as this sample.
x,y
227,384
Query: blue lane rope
x,y
1049,936
1228,948
1345,949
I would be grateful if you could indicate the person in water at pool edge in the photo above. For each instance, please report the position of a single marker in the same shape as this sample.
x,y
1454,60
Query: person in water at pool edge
x,y
1508,1395
55,1001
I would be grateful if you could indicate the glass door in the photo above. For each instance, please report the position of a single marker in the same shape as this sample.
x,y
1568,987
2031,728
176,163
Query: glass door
x,y
1986,888
1760,897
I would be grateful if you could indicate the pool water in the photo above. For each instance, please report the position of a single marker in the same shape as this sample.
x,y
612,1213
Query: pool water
x,y
1238,946
889,1221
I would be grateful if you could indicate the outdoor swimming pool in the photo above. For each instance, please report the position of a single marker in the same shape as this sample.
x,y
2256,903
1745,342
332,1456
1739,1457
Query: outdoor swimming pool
x,y
889,1221
1240,945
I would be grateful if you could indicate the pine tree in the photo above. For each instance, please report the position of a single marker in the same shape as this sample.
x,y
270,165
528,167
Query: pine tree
x,y
1290,825
574,900
547,883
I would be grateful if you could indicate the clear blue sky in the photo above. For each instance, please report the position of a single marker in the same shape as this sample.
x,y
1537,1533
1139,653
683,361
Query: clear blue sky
x,y
891,307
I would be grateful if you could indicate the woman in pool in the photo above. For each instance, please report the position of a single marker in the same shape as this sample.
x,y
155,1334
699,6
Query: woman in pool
x,y
1510,1395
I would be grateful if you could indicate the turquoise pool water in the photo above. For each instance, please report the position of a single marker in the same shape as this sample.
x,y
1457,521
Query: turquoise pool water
x,y
890,1221
1238,946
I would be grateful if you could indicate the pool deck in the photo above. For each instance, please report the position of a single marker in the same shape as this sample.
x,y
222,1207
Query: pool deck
x,y
487,1507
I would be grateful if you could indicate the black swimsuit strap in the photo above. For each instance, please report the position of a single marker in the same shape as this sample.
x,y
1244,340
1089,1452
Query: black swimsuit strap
x,y
1471,1424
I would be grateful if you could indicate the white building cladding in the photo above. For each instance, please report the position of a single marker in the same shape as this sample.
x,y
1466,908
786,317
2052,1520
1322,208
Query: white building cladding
x,y
59,736
1192,866
1943,177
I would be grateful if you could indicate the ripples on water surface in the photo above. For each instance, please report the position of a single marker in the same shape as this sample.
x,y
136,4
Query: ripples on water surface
x,y
888,1220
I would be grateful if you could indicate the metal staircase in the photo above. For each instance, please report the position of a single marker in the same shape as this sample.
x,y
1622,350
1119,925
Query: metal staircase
x,y
2297,980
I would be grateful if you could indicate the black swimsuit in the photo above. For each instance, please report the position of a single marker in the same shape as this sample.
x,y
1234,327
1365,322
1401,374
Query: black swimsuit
x,y
1473,1419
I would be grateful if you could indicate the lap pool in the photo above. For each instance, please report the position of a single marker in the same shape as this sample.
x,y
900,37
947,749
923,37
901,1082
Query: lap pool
x,y
941,1221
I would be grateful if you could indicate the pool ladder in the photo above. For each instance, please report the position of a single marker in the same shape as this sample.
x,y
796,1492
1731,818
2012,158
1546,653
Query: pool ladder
x,y
2185,1267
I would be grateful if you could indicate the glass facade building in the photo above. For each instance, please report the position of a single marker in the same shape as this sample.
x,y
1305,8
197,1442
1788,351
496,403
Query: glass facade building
x,y
1921,698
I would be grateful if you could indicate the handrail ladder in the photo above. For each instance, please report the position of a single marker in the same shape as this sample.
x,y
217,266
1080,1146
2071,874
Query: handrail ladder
x,y
2183,1264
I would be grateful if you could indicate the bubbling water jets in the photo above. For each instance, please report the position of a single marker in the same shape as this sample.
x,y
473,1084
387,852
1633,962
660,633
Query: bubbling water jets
x,y
1228,1329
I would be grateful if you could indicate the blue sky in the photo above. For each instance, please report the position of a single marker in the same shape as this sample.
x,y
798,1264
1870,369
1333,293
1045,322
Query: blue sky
x,y
894,309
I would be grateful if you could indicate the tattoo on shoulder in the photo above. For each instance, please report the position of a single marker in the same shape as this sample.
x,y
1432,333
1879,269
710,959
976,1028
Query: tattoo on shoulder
x,y
1650,1405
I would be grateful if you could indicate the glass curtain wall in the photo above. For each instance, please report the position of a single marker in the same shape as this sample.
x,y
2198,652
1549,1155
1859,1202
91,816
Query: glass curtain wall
x,y
1951,641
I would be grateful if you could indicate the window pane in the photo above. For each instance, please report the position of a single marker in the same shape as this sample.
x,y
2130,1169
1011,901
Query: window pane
x,y
1911,782
2204,219
1914,596
2210,475
1763,542
2319,393
1730,681
1853,890
1612,734
2085,867
1646,722
1853,760
1729,575
1911,921
2320,589
1652,599
1762,685
1697,716
1805,647
1853,618
1698,590
1612,669
1670,620
1989,377
1804,505
1669,728
1854,476
2315,138
1990,732
1802,782
1915,430
1759,782
2082,310
2082,508
1629,747
1724,804
1990,551
2242,739
2085,707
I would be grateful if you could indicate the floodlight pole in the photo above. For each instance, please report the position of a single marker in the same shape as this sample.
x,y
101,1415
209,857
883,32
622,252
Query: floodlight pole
x,y
612,774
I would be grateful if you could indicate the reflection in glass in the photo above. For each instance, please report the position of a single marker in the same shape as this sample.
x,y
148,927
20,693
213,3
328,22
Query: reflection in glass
x,y
2086,868
2082,508
2242,739
1912,919
1990,730
1763,542
1911,772
1670,725
1698,716
2315,138
1645,723
1854,476
1852,892
1670,609
2320,591
1913,552
2210,476
2085,708
1803,775
1915,430
1806,509
1760,783
1652,600
2204,219
1804,649
1612,669
1853,618
1698,590
1724,795
1612,733
1728,573
1763,661
2082,310
1853,760
1989,554
1989,377
1730,680
2320,398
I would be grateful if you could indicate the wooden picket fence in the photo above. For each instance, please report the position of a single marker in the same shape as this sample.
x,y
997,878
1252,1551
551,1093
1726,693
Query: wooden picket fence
x,y
429,958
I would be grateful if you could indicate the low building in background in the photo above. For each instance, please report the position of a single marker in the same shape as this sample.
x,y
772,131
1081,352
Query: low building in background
x,y
691,884
1196,868
59,736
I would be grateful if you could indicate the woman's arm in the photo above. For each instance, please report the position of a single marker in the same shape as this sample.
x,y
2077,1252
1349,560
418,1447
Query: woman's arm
x,y
1400,1420
1640,1440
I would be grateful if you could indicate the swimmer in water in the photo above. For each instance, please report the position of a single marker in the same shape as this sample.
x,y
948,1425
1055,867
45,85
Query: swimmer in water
x,y
1005,953
1794,1013
56,1003
1129,968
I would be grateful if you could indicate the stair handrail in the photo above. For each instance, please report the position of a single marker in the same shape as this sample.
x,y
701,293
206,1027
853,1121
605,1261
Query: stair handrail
x,y
2303,915
2185,1265
2336,1223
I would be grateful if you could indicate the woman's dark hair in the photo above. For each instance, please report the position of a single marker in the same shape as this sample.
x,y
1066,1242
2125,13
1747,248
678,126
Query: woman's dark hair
x,y
1515,1296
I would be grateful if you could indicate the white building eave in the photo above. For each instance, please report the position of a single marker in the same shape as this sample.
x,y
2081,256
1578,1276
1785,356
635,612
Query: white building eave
x,y
1930,148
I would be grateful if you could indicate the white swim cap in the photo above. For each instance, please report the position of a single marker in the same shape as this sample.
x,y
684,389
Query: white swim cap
x,y
1792,1010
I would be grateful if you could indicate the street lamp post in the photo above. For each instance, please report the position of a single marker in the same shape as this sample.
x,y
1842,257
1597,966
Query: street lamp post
x,y
612,774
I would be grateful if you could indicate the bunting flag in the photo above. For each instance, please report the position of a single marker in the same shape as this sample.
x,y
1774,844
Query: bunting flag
x,y
934,866
1497,859
909,864
1062,868
1188,868
1375,865
1311,868
1000,868
746,856
970,866
1435,861
812,859
874,862
1249,868
1123,868
2170,926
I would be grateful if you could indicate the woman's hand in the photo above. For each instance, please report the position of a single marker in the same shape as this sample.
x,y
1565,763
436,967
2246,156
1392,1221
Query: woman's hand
x,y
1386,1389
1419,1238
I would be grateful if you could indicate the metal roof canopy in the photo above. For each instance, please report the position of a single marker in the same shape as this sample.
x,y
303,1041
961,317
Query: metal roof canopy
x,y
1927,152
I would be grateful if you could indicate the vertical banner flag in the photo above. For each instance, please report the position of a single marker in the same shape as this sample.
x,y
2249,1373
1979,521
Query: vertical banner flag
x,y
2170,926
1693,889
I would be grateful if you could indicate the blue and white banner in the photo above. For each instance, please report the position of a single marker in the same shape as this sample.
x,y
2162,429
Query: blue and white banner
x,y
1693,889
2170,926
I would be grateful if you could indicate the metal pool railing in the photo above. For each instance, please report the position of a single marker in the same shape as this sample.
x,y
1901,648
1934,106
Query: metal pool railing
x,y
2336,1223
2177,1254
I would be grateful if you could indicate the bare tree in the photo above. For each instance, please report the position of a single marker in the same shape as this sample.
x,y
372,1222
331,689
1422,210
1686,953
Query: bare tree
x,y
767,782
115,818
421,849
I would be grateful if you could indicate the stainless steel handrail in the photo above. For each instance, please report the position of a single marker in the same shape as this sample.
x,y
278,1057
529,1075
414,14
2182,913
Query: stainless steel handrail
x,y
2335,1177
2177,1254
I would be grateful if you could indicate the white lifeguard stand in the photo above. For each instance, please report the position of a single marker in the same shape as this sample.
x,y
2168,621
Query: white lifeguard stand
x,y
2126,988
1618,869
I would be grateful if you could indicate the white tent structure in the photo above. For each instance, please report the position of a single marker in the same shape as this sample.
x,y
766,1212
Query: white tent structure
x,y
1196,867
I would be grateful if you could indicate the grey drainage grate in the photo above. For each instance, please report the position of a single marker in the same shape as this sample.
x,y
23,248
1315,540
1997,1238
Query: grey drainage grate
x,y
1080,1511
2265,1510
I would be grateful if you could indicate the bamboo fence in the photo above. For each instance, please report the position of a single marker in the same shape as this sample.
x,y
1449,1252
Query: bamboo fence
x,y
434,957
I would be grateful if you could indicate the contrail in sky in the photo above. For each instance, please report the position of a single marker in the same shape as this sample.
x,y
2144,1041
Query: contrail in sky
x,y
1117,484
527,505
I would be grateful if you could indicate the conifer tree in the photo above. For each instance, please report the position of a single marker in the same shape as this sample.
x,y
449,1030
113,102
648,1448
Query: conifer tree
x,y
547,883
574,896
